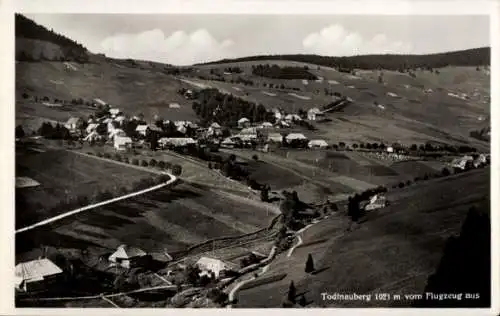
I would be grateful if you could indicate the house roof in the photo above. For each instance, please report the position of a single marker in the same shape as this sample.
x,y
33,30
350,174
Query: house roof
x,y
243,120
267,124
177,141
318,142
141,128
122,140
215,125
213,263
91,127
36,269
295,136
314,110
275,136
249,130
73,120
114,111
127,252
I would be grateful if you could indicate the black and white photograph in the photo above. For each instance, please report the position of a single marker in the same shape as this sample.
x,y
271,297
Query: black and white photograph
x,y
249,161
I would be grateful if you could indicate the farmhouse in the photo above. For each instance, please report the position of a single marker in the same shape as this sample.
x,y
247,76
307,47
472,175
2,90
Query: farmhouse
x,y
249,131
228,143
376,202
214,130
122,142
92,136
313,113
143,129
317,143
295,136
275,137
266,125
91,127
127,257
36,274
174,105
114,112
462,163
116,133
208,265
292,118
73,124
243,122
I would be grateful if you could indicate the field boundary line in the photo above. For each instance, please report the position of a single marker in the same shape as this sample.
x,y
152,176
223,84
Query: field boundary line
x,y
110,302
92,206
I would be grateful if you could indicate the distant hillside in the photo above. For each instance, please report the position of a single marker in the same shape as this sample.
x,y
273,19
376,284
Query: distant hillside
x,y
35,42
470,57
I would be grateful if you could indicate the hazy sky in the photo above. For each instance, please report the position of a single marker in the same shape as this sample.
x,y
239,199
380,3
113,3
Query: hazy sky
x,y
187,39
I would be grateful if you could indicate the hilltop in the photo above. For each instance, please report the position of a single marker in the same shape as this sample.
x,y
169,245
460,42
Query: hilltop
x,y
469,57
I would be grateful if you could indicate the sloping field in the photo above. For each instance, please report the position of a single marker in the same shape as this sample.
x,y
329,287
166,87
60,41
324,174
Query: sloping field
x,y
116,85
63,175
415,116
170,219
394,251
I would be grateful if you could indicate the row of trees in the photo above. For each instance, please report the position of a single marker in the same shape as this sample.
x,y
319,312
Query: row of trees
x,y
50,131
160,164
287,72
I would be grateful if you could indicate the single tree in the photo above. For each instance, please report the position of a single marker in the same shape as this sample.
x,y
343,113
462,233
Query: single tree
x,y
292,292
309,264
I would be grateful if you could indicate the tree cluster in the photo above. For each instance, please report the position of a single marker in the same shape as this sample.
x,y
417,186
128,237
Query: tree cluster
x,y
26,28
226,109
50,131
286,73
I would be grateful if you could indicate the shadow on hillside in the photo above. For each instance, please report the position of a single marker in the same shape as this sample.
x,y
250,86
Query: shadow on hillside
x,y
30,240
465,266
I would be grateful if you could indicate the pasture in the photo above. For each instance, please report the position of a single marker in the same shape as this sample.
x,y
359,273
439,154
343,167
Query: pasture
x,y
394,249
171,219
64,175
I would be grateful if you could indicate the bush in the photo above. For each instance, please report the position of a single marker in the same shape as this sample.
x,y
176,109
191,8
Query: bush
x,y
118,157
107,155
144,163
168,165
401,185
209,165
176,170
153,163
255,157
445,172
408,182
161,164
135,161
90,153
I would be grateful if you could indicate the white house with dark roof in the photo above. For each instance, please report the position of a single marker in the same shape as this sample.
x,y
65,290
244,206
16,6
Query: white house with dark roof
x,y
36,274
208,265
